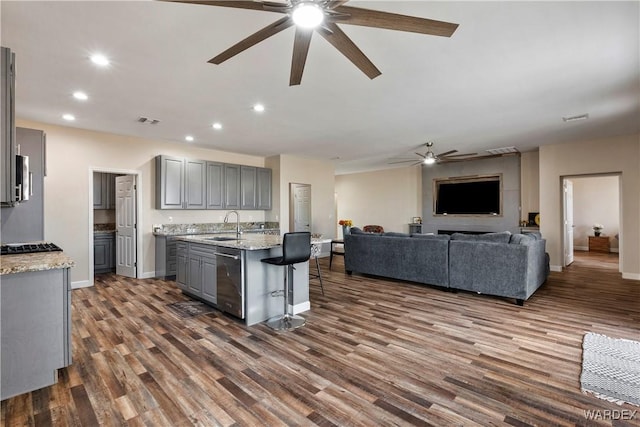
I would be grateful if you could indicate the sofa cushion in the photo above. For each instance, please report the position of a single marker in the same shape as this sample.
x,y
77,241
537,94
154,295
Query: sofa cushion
x,y
521,239
356,230
501,237
395,234
431,236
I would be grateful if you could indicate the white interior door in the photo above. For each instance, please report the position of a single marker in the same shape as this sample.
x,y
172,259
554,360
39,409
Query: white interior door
x,y
126,226
301,207
568,222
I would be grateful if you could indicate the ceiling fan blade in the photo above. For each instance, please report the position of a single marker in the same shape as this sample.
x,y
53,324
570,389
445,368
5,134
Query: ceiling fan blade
x,y
424,156
445,154
224,3
394,21
335,3
461,155
300,50
403,161
253,39
340,41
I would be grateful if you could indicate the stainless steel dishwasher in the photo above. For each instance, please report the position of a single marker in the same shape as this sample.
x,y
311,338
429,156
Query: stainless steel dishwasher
x,y
230,281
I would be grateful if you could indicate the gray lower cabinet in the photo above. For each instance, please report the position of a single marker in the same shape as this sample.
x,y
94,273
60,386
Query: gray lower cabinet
x,y
166,262
104,253
197,270
35,329
182,260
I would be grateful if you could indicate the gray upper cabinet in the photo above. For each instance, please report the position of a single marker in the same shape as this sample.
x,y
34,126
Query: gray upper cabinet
x,y
215,185
198,184
248,187
180,183
104,190
263,188
232,186
169,182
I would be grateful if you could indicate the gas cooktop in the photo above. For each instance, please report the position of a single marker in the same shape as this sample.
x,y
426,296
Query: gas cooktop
x,y
28,248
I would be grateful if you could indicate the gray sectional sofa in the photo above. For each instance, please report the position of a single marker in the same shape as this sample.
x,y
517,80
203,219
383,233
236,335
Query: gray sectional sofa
x,y
502,264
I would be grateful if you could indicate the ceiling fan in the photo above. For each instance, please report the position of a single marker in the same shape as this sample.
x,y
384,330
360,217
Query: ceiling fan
x,y
429,157
323,17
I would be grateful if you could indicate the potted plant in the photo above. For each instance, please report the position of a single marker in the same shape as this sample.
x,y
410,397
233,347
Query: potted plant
x,y
597,229
346,226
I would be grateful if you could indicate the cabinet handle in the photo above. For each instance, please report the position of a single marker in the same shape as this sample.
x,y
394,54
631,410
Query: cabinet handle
x,y
236,257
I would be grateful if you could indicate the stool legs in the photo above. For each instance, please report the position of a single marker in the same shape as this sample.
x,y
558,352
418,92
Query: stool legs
x,y
286,321
319,275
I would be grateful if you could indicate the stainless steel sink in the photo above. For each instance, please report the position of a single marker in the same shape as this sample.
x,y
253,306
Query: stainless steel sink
x,y
221,238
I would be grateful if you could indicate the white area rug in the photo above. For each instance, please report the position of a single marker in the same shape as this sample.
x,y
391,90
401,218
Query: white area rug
x,y
611,368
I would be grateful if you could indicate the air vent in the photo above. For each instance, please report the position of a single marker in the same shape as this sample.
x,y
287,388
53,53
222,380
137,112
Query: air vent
x,y
576,118
503,150
148,121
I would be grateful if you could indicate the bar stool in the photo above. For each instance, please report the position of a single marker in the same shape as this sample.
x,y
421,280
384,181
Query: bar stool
x,y
315,252
296,248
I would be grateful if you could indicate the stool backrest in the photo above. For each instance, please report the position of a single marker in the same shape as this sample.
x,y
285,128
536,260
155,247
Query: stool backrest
x,y
296,247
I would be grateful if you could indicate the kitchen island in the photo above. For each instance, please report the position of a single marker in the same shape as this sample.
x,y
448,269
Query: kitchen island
x,y
35,312
211,266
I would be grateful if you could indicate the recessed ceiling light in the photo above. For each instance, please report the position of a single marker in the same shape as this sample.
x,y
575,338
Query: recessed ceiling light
x,y
69,117
258,108
100,60
217,126
80,96
188,138
576,118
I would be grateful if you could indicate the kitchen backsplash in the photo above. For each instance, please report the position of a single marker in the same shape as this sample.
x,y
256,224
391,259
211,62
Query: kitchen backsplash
x,y
215,227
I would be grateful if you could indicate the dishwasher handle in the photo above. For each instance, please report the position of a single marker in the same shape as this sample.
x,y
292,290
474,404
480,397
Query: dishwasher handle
x,y
236,257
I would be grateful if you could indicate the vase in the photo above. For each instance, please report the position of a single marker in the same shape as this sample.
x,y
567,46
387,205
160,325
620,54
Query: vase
x,y
596,233
346,230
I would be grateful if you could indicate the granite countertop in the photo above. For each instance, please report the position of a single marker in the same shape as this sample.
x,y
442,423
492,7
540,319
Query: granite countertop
x,y
214,228
104,228
41,261
250,242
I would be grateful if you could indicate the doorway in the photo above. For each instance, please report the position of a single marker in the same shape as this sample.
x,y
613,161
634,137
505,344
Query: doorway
x,y
114,207
593,202
300,207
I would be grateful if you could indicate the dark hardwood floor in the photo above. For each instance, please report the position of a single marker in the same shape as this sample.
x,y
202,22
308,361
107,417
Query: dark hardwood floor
x,y
374,352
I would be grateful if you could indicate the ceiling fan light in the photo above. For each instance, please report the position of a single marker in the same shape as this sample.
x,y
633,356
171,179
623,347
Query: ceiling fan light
x,y
307,15
429,160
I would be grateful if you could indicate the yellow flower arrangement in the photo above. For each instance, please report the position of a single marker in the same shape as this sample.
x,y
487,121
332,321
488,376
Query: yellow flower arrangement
x,y
345,223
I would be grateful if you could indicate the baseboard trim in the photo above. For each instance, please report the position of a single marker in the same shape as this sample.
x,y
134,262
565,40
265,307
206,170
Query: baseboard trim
x,y
299,308
581,248
557,268
614,250
81,284
148,275
631,276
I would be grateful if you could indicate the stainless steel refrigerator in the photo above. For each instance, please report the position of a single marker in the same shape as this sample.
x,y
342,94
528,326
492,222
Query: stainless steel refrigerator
x,y
25,221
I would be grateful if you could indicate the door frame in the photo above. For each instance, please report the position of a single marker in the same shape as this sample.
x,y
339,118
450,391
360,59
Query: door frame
x,y
139,248
620,215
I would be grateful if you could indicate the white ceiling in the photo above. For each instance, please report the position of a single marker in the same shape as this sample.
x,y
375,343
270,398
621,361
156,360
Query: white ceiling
x,y
506,77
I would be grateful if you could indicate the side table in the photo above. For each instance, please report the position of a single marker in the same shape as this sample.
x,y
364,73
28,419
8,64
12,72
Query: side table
x,y
336,250
599,244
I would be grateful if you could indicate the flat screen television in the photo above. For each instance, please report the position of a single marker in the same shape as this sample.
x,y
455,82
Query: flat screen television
x,y
468,196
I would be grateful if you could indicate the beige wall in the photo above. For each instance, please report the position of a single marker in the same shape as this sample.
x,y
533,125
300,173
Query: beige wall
x,y
530,181
72,153
595,201
390,198
610,155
